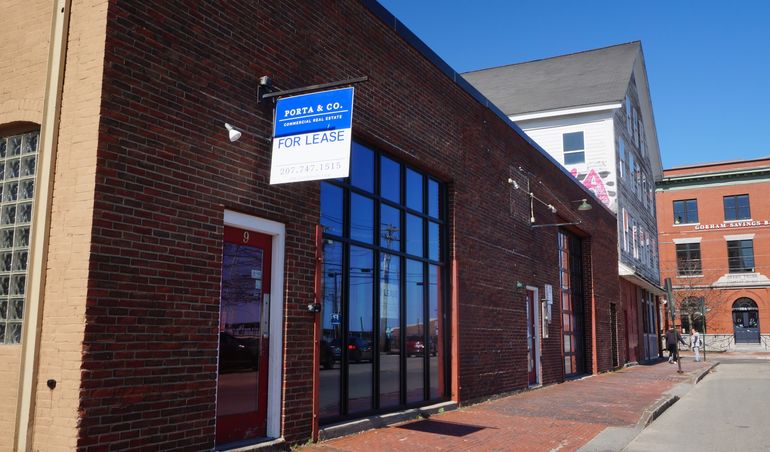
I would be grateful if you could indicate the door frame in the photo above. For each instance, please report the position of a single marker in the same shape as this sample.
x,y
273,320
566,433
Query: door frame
x,y
277,231
538,346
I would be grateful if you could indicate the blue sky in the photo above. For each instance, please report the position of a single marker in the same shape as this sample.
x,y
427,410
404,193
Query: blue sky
x,y
708,62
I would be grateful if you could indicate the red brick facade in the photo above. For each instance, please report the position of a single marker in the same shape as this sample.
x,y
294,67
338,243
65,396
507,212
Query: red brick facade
x,y
708,185
174,73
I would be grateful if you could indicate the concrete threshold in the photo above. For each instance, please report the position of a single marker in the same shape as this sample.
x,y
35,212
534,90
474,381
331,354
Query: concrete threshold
x,y
382,420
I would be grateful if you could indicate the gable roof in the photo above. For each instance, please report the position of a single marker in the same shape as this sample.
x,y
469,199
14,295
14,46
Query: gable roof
x,y
578,79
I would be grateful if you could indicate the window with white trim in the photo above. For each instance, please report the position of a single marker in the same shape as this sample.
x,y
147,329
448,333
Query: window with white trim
x,y
574,148
18,164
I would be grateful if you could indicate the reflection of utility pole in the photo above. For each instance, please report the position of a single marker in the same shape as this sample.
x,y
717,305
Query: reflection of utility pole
x,y
336,302
389,235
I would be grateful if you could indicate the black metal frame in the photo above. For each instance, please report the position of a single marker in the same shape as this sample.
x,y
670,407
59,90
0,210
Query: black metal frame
x,y
377,251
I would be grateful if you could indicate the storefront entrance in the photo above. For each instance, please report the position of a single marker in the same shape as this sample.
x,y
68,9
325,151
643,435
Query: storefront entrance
x,y
746,321
243,336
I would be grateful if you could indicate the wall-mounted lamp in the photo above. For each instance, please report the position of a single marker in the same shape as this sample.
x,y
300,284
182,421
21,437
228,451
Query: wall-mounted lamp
x,y
232,132
584,205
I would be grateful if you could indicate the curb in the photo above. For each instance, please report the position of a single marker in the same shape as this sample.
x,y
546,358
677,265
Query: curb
x,y
653,412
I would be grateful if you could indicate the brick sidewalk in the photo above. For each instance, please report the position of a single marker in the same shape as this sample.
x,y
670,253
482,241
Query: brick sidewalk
x,y
560,417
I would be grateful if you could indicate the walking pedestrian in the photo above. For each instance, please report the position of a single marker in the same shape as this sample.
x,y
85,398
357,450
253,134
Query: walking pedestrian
x,y
696,344
672,339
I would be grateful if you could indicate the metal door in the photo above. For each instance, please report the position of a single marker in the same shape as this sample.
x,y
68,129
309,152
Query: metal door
x,y
531,338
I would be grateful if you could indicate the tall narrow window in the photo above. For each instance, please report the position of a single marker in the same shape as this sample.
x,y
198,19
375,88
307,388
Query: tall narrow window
x,y
384,288
574,148
686,211
18,165
737,207
621,158
688,261
740,256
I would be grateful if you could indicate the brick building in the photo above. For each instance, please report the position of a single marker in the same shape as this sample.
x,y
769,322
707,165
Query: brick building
x,y
155,286
592,112
714,225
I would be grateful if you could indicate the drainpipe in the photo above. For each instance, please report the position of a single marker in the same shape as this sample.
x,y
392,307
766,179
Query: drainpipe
x,y
38,252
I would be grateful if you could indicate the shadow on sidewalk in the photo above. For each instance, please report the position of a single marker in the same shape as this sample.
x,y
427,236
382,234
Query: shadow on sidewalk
x,y
443,427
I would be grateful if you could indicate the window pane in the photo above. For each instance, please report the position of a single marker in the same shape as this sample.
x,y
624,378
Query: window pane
x,y
433,198
433,241
390,227
573,141
390,278
359,341
415,331
414,190
390,180
414,225
331,209
361,218
362,167
435,332
331,340
572,158
692,211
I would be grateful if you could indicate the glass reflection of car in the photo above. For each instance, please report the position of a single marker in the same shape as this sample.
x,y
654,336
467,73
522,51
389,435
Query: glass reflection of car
x,y
359,349
414,346
237,353
329,353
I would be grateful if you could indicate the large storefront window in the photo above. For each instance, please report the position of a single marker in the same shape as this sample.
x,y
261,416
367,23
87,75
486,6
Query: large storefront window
x,y
18,163
383,288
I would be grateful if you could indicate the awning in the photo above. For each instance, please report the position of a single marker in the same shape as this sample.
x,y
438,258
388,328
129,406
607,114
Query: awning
x,y
630,274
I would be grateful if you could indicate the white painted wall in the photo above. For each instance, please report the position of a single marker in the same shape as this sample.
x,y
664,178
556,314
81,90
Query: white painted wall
x,y
599,142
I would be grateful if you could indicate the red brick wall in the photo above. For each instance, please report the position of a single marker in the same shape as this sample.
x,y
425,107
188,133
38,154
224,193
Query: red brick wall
x,y
174,74
713,244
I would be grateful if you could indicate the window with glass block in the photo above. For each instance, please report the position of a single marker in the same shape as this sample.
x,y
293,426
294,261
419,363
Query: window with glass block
x,y
18,159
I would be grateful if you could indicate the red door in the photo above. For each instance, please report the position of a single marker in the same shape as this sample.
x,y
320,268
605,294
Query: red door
x,y
531,338
243,336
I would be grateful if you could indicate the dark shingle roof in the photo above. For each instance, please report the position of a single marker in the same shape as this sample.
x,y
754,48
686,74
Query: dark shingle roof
x,y
585,78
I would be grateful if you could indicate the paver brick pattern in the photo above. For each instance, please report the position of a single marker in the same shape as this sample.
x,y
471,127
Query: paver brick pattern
x,y
560,417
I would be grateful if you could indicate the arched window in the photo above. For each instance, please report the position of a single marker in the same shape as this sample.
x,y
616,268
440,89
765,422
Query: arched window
x,y
18,165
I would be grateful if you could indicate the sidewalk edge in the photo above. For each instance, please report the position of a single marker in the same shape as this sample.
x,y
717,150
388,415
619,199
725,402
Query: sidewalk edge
x,y
653,412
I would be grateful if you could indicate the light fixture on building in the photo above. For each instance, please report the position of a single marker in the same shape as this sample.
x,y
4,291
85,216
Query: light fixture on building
x,y
584,205
232,132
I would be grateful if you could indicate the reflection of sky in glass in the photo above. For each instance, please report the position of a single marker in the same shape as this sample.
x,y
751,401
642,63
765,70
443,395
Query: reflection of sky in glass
x,y
331,208
240,295
414,190
414,235
433,198
362,168
433,241
361,286
362,218
390,177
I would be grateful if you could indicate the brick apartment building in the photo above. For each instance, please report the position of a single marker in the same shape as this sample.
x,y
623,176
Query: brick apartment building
x,y
155,286
714,226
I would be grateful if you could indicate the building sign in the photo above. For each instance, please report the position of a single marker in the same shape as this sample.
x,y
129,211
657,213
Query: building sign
x,y
733,225
312,136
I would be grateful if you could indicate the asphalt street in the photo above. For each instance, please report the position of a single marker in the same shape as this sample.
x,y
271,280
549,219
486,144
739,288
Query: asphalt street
x,y
727,411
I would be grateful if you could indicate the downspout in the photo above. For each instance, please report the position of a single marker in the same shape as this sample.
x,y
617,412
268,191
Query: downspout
x,y
41,220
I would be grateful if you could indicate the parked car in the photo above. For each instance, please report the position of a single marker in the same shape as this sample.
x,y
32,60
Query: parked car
x,y
414,346
236,353
329,353
359,349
